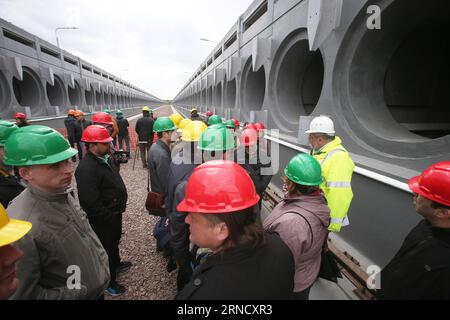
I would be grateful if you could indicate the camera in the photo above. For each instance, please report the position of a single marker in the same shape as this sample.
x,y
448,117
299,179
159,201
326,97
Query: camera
x,y
121,156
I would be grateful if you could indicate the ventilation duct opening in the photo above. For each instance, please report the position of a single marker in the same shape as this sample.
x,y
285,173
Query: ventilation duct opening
x,y
27,91
98,98
298,75
218,96
254,88
75,95
209,97
391,85
230,94
55,93
4,92
90,97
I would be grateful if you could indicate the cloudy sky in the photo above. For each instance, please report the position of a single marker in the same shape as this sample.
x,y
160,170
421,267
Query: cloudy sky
x,y
154,44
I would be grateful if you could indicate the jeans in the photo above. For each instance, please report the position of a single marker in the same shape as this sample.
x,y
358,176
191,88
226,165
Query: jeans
x,y
144,147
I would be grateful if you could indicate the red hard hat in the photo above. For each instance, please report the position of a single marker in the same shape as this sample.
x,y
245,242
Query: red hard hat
x,y
236,123
219,186
95,133
20,115
260,126
250,126
103,118
209,113
249,137
433,183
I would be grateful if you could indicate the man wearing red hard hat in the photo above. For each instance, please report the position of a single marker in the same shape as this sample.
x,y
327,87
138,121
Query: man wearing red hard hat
x,y
103,196
245,263
21,119
421,268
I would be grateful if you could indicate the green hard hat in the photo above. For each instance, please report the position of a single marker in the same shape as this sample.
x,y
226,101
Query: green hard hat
x,y
119,113
107,111
214,119
6,129
305,170
216,138
163,124
230,124
36,145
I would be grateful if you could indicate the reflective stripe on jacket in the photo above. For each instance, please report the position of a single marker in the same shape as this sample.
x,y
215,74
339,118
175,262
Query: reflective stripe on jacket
x,y
337,170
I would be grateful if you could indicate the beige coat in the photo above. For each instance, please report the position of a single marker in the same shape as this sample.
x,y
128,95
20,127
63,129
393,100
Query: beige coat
x,y
61,237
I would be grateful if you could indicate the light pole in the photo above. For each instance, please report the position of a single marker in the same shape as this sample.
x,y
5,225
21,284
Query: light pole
x,y
62,28
207,40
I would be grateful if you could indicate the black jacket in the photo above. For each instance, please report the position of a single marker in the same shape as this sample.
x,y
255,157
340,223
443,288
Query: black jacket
x,y
178,176
79,128
144,129
9,188
123,125
159,159
101,190
70,124
244,273
421,268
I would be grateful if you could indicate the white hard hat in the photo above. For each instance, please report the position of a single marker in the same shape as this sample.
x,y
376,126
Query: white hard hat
x,y
322,124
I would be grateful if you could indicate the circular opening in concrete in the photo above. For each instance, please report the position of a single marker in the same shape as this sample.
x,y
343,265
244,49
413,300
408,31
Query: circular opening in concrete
x,y
98,98
209,97
393,83
298,79
230,93
55,93
74,95
4,92
218,95
89,96
253,87
27,91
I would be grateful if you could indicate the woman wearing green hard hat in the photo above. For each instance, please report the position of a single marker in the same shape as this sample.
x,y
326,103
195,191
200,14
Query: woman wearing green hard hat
x,y
10,231
301,219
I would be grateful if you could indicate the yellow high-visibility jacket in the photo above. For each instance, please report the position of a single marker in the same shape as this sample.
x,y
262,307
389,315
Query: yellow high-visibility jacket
x,y
337,170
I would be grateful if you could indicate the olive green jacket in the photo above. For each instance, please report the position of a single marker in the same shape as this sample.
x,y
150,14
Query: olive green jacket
x,y
60,241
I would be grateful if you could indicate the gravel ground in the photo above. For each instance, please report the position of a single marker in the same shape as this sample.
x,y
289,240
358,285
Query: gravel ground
x,y
147,279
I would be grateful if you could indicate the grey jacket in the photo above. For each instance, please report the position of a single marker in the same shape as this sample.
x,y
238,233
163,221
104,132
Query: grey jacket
x,y
286,219
159,159
60,238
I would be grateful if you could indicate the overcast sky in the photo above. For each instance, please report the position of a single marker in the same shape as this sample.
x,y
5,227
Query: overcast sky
x,y
157,41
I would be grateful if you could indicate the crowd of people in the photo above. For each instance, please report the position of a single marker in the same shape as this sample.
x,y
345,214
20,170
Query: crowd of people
x,y
207,179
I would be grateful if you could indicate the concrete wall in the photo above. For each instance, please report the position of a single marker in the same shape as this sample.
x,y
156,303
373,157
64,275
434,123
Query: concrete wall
x,y
386,89
42,80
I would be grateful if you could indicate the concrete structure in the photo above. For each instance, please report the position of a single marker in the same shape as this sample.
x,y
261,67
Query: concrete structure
x,y
380,69
41,80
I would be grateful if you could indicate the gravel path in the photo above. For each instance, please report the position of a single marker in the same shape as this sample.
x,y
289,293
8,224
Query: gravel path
x,y
147,279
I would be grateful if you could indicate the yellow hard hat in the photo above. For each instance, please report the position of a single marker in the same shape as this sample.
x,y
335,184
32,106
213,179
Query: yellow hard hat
x,y
176,118
11,230
193,131
146,109
183,123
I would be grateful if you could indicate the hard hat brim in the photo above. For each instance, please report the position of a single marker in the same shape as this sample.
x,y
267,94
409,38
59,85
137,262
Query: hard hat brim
x,y
314,131
107,140
13,231
185,207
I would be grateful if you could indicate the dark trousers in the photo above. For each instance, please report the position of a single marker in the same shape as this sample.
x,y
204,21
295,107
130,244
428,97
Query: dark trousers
x,y
143,149
72,144
80,150
124,141
109,235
